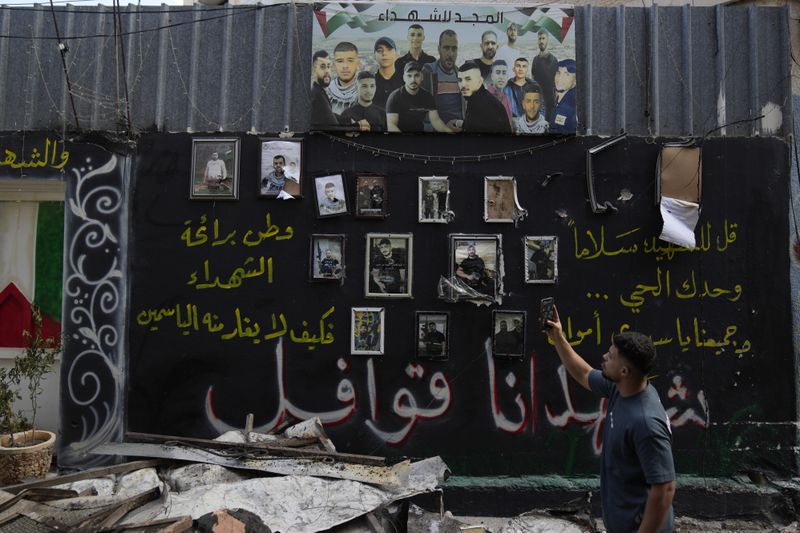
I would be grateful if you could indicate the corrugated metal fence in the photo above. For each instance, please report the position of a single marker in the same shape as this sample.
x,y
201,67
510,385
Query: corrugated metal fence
x,y
660,71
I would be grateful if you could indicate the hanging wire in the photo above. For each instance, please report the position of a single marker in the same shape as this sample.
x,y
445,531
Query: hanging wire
x,y
63,49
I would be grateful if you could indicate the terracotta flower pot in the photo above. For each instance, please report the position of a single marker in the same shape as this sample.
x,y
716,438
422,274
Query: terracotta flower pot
x,y
29,457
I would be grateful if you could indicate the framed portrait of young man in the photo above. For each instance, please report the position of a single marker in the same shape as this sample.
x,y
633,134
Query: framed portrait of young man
x,y
367,330
281,169
433,330
215,169
541,259
389,265
372,199
434,199
474,262
508,333
327,262
500,198
330,195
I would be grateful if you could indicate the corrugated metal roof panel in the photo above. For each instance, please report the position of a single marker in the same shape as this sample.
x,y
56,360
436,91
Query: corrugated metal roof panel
x,y
658,71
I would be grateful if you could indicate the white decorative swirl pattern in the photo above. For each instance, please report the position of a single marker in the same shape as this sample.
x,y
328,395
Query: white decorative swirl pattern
x,y
93,365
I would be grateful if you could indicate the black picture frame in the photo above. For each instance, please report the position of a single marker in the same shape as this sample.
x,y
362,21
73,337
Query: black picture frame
x,y
429,345
508,333
327,261
330,205
372,196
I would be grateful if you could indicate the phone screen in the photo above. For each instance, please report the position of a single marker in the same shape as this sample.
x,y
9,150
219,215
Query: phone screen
x,y
545,312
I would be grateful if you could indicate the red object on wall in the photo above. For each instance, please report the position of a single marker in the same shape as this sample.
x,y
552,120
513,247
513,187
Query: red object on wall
x,y
15,317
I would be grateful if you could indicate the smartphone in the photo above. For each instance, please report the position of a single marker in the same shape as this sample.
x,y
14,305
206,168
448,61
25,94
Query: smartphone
x,y
546,312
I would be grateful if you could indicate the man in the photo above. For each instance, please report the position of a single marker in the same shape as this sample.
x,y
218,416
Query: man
x,y
433,340
441,80
510,52
539,266
274,182
519,335
322,116
484,113
532,122
564,117
409,106
472,271
329,265
364,115
343,92
331,205
544,69
416,36
488,51
499,80
215,172
366,338
637,477
387,78
429,205
515,89
388,269
505,342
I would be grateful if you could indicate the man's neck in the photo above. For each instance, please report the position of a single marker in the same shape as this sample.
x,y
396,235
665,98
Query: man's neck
x,y
364,104
343,85
512,44
387,72
444,69
415,53
520,81
486,61
544,53
409,92
628,388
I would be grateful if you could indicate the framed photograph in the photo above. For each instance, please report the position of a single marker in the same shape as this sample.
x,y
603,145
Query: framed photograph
x,y
389,263
541,259
500,198
215,169
433,330
281,168
371,196
327,257
508,333
474,261
331,196
367,331
434,199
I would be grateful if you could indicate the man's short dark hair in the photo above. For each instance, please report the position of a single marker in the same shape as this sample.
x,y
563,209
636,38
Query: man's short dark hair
x,y
279,156
330,185
345,46
636,348
531,88
469,65
416,27
541,32
500,63
449,33
487,32
319,54
365,75
384,241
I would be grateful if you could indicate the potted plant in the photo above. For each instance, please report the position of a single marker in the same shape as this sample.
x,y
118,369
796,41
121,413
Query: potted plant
x,y
24,450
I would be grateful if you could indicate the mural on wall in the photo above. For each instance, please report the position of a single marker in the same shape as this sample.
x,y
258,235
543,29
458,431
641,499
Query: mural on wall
x,y
447,69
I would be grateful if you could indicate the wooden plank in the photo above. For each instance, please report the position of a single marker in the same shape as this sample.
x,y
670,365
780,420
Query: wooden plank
x,y
258,447
111,514
85,474
163,525
292,442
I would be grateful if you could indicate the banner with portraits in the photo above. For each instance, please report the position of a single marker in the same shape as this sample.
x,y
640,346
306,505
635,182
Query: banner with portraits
x,y
444,68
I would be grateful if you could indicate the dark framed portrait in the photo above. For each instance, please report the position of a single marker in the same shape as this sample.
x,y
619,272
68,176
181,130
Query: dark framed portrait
x,y
330,195
434,199
389,265
327,262
474,263
508,333
215,169
541,259
367,330
500,198
371,196
433,331
281,169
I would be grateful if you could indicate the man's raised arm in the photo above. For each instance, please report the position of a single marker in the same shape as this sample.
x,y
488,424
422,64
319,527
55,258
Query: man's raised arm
x,y
577,367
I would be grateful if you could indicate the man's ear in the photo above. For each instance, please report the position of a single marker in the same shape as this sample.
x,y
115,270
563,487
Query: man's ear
x,y
624,371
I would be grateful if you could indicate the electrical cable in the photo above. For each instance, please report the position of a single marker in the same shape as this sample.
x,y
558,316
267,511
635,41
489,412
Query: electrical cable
x,y
63,49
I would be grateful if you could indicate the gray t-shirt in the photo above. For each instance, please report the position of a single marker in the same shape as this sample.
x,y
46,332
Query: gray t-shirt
x,y
637,452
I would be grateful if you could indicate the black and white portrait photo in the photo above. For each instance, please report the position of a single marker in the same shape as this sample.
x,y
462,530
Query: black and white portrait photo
x,y
215,169
434,199
474,262
327,257
281,168
371,196
367,330
508,333
541,259
330,195
432,329
389,260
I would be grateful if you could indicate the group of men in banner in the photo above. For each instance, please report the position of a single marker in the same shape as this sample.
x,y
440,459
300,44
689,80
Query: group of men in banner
x,y
500,92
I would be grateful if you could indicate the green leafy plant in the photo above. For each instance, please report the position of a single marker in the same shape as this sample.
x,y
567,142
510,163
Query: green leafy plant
x,y
29,367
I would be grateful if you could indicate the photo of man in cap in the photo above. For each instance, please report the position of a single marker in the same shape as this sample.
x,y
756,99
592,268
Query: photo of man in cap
x,y
409,106
387,78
